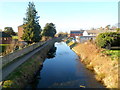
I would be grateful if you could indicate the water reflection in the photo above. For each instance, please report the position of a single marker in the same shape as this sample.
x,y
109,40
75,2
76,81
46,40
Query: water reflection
x,y
37,77
52,52
64,70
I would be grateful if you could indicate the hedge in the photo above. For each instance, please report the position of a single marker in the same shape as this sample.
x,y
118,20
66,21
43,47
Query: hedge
x,y
108,38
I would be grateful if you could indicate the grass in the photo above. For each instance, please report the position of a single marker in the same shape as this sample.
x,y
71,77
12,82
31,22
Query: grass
x,y
23,71
14,37
23,74
2,47
99,60
4,44
114,54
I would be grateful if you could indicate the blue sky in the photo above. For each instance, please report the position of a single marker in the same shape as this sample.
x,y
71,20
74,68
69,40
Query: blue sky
x,y
65,15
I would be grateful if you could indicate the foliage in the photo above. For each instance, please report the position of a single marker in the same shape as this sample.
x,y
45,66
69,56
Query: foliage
x,y
4,44
14,37
2,48
13,46
23,75
8,84
49,30
108,27
45,38
118,29
62,34
9,30
31,25
104,39
114,54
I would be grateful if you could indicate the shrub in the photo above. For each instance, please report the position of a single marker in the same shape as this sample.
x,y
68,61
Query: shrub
x,y
108,38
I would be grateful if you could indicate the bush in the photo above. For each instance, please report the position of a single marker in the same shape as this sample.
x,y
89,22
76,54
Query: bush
x,y
108,39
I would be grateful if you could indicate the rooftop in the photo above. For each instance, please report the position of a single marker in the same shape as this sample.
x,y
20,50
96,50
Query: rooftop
x,y
99,31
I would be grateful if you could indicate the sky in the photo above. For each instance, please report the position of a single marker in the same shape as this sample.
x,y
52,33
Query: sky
x,y
66,15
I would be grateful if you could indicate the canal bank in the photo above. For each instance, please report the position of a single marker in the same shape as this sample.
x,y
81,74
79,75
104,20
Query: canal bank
x,y
64,70
26,72
105,69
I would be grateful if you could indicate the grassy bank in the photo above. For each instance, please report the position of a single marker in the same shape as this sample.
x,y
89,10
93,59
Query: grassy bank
x,y
102,62
2,47
25,73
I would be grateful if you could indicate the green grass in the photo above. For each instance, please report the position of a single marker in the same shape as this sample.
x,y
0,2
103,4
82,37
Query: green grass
x,y
4,44
14,37
114,54
2,47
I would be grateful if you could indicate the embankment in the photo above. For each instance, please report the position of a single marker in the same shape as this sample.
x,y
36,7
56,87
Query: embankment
x,y
105,69
18,53
26,72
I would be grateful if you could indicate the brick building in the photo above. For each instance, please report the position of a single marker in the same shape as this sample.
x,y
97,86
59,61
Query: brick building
x,y
76,33
5,38
20,32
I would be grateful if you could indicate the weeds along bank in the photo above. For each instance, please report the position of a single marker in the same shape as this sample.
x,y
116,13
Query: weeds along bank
x,y
105,68
26,72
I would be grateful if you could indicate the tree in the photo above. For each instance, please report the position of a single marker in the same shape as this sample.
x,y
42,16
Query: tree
x,y
31,25
62,34
118,29
104,40
108,27
49,30
9,30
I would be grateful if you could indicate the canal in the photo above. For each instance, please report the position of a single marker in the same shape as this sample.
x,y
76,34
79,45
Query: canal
x,y
63,69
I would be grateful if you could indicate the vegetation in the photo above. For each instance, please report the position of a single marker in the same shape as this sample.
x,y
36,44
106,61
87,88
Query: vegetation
x,y
62,34
3,47
19,77
8,48
9,30
106,70
49,30
118,29
14,37
4,44
31,25
114,54
104,40
107,27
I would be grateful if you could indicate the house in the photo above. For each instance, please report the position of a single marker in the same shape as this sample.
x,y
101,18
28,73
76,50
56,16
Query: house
x,y
91,35
74,33
5,38
20,32
95,32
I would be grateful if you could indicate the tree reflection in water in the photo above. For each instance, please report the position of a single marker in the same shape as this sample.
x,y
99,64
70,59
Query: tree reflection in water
x,y
52,52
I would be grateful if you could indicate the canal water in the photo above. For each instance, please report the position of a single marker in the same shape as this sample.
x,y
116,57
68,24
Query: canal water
x,y
64,70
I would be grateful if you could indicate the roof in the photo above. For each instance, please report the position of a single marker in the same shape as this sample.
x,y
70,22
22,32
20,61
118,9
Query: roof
x,y
87,36
77,31
99,31
3,34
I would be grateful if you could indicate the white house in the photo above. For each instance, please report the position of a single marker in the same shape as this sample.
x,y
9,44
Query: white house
x,y
91,34
95,32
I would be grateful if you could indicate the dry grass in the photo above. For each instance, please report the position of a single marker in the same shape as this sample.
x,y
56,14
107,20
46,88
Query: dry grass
x,y
106,69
